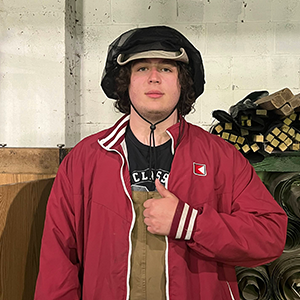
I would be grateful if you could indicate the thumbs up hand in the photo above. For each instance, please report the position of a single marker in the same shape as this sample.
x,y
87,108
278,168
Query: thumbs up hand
x,y
159,213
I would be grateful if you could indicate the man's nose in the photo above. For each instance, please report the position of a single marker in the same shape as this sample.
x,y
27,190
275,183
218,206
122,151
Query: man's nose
x,y
154,76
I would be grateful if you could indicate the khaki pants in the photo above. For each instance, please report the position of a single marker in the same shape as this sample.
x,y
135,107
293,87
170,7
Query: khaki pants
x,y
147,278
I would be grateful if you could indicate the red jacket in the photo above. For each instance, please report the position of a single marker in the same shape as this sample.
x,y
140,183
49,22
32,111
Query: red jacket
x,y
225,218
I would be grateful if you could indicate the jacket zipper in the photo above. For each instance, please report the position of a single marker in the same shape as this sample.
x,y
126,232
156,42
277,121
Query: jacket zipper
x,y
131,226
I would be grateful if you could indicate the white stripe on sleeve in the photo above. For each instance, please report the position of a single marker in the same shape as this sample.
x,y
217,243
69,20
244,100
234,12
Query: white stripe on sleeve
x,y
182,221
191,225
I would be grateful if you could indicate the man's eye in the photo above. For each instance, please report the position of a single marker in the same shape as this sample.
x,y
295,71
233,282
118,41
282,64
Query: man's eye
x,y
166,69
141,69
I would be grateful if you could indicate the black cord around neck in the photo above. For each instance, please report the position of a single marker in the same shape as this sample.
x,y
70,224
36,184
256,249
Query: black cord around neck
x,y
152,140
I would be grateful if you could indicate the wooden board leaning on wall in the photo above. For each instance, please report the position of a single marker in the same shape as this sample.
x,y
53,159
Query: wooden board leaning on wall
x,y
26,164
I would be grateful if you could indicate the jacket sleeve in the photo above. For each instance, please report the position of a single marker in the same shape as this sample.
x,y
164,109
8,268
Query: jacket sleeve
x,y
253,233
59,266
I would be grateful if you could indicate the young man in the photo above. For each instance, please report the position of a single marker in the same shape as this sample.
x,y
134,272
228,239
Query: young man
x,y
154,207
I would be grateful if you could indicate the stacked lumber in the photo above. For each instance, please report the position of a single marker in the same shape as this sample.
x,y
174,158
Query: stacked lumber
x,y
283,102
283,136
261,124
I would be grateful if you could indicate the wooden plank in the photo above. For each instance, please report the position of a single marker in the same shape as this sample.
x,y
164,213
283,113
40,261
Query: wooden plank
x,y
7,178
285,110
295,101
259,138
275,100
30,160
22,213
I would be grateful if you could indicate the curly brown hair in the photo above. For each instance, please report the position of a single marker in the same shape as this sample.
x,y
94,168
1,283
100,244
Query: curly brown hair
x,y
187,97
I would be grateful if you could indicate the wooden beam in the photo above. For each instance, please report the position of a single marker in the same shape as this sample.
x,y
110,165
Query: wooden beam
x,y
30,160
275,100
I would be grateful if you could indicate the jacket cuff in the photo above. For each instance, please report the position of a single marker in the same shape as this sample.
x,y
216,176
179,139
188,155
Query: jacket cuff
x,y
183,222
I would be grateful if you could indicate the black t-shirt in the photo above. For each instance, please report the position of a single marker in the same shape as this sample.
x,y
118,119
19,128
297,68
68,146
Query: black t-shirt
x,y
139,163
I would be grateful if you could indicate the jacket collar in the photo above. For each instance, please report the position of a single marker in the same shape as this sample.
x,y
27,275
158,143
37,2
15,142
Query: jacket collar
x,y
116,134
176,133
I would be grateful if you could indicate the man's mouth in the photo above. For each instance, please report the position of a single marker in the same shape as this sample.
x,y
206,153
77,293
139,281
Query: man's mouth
x,y
154,94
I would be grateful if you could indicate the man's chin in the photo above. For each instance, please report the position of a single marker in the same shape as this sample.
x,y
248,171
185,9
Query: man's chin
x,y
156,116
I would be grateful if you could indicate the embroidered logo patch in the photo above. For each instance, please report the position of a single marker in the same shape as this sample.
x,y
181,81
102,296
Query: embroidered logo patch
x,y
199,169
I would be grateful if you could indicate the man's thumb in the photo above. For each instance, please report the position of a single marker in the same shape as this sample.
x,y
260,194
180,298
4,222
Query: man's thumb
x,y
161,188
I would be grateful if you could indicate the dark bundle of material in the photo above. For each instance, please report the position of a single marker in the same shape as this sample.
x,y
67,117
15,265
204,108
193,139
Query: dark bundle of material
x,y
281,278
284,276
285,188
261,124
254,283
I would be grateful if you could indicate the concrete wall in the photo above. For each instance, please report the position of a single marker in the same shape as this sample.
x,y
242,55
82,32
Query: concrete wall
x,y
52,55
32,72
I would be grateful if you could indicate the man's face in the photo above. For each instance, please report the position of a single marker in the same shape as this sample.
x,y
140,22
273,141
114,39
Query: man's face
x,y
154,87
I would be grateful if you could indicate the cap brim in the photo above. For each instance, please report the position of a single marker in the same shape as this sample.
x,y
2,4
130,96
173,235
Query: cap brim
x,y
177,56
